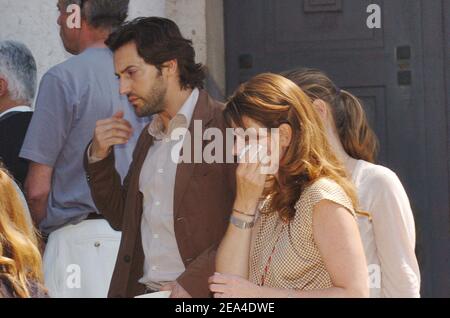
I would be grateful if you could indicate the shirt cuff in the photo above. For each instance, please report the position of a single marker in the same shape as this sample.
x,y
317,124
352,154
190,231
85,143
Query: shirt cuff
x,y
93,159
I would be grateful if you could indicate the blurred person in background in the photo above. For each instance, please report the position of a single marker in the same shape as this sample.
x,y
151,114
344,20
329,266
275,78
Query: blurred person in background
x,y
20,259
17,90
72,97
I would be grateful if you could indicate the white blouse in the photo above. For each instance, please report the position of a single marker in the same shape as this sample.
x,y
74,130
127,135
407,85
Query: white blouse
x,y
389,235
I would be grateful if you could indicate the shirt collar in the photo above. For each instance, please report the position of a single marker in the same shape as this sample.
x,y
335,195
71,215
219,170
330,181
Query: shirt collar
x,y
187,110
17,109
182,119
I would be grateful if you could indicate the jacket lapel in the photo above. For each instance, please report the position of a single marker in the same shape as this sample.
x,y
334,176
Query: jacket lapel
x,y
203,113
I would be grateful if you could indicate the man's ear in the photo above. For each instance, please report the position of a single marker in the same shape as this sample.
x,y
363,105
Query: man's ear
x,y
171,67
322,108
3,87
285,135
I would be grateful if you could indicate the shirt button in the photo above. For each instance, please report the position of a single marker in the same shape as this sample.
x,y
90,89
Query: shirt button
x,y
157,203
97,244
160,170
167,140
127,258
156,236
154,268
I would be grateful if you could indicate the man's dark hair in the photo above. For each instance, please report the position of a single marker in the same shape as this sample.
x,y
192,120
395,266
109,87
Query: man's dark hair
x,y
159,40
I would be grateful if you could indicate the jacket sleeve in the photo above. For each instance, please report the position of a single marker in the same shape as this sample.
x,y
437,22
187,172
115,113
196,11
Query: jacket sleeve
x,y
107,191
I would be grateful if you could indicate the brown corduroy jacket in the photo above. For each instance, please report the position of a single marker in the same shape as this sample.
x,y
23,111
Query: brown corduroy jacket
x,y
203,200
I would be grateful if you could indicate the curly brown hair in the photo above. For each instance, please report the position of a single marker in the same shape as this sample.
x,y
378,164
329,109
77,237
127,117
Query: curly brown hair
x,y
272,100
159,40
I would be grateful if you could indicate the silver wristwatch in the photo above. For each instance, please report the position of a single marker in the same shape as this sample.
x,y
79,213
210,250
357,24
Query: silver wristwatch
x,y
241,224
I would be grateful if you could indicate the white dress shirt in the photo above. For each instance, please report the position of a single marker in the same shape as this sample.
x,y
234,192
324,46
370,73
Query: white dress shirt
x,y
163,262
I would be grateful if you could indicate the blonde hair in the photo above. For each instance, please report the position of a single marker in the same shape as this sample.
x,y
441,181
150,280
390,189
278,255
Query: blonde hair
x,y
20,258
273,100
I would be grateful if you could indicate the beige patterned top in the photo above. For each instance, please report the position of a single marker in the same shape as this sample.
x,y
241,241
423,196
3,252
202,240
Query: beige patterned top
x,y
296,262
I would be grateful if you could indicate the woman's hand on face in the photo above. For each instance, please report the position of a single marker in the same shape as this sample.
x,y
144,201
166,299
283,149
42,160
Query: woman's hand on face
x,y
230,286
250,185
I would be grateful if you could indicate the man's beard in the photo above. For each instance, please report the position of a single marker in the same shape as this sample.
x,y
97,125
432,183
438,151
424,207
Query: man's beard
x,y
154,101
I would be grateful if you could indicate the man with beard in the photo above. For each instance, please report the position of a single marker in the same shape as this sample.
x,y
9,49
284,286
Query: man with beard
x,y
173,215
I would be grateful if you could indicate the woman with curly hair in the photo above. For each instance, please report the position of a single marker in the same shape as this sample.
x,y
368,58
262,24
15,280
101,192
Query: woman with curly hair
x,y
292,233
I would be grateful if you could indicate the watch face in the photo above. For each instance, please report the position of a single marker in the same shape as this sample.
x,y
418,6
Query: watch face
x,y
241,224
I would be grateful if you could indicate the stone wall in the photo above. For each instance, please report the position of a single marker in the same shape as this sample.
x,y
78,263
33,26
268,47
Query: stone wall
x,y
33,22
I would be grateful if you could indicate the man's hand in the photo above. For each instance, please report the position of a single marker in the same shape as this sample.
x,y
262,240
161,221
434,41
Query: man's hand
x,y
176,289
108,133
